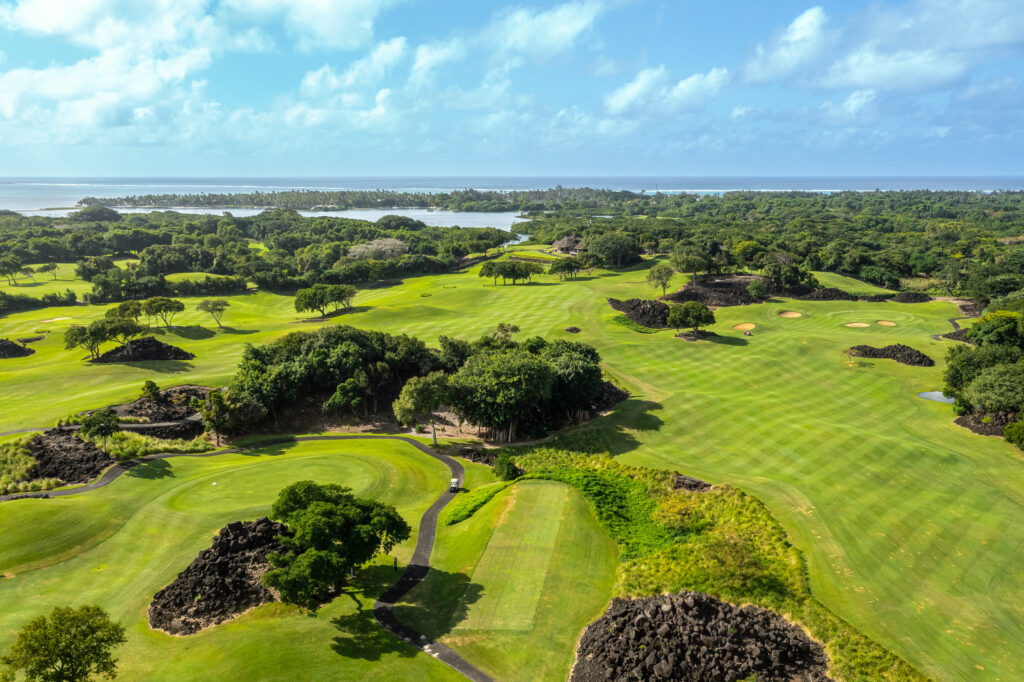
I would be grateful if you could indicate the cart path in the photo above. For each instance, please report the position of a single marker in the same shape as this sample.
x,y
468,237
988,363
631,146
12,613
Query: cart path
x,y
383,608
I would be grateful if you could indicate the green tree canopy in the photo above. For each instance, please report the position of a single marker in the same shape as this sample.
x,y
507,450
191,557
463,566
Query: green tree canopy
x,y
421,396
1000,327
500,390
996,389
69,645
100,424
691,314
660,276
333,532
215,307
163,307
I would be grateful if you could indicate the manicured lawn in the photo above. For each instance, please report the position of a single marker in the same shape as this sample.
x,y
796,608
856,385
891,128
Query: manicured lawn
x,y
517,582
117,546
854,286
910,524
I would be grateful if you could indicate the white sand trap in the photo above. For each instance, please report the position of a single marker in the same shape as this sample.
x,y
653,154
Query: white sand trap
x,y
886,323
746,326
790,313
857,324
55,319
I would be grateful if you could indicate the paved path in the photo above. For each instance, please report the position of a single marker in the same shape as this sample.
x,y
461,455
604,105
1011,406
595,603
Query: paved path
x,y
415,572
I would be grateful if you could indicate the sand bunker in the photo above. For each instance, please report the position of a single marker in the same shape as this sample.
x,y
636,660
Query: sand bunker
x,y
746,326
857,324
886,323
56,319
790,313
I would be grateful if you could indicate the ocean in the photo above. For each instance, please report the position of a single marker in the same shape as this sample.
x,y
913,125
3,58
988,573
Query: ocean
x,y
56,196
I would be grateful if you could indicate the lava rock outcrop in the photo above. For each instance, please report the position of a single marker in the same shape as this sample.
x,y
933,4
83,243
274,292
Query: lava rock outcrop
x,y
911,297
10,349
905,355
61,454
146,348
222,582
692,637
653,314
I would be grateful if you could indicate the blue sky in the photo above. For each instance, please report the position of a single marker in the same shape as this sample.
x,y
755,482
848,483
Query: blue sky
x,y
440,87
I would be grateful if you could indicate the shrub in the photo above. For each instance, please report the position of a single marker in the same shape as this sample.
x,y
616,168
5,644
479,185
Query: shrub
x,y
1014,433
505,468
758,289
466,505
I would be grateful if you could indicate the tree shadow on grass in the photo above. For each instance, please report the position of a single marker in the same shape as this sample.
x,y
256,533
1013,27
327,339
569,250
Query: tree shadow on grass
x,y
728,340
337,313
630,416
432,612
162,366
152,469
193,332
232,330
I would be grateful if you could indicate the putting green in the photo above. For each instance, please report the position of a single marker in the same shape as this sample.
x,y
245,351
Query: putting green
x,y
118,545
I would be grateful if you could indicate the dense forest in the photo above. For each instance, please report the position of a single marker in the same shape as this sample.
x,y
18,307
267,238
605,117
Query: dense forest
x,y
277,249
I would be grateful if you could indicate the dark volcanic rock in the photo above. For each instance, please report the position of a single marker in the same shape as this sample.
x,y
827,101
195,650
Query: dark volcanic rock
x,y
905,355
693,485
222,582
828,294
185,430
724,291
959,335
62,454
478,455
995,425
691,636
911,297
146,348
573,330
174,404
653,314
9,349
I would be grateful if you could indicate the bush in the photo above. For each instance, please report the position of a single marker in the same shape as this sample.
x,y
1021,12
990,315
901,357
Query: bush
x,y
466,505
1014,433
758,289
505,468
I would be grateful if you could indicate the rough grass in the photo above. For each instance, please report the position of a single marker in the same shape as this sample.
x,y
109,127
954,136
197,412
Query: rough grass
x,y
16,465
464,506
129,444
622,321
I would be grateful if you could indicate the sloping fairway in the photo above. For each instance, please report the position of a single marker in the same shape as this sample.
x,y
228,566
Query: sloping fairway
x,y
533,567
515,563
910,523
118,545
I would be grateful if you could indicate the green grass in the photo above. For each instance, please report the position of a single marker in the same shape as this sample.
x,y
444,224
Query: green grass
x,y
118,545
907,521
518,581
849,284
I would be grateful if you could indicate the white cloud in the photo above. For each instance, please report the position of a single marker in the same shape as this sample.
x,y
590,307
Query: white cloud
x,y
338,24
740,112
653,89
856,106
366,71
543,33
430,56
867,67
802,41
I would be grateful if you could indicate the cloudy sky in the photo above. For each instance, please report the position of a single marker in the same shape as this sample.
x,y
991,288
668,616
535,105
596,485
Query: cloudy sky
x,y
450,87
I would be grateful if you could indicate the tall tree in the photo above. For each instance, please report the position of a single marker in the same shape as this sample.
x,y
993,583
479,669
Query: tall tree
x,y
333,531
69,645
163,307
215,307
100,424
660,276
420,397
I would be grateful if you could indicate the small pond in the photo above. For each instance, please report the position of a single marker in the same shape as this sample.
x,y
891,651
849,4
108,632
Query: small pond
x,y
937,396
